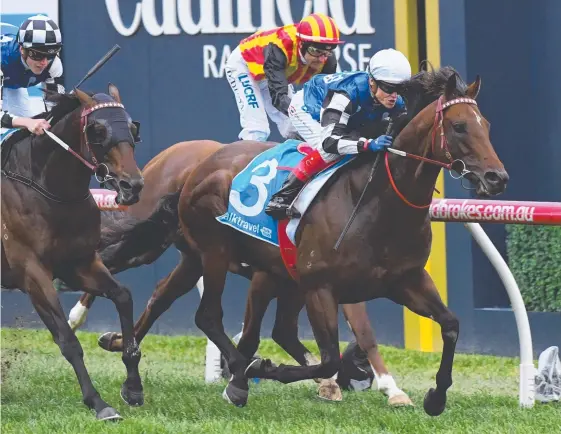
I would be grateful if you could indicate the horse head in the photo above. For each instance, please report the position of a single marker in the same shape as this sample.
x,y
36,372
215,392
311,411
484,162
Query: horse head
x,y
461,135
110,136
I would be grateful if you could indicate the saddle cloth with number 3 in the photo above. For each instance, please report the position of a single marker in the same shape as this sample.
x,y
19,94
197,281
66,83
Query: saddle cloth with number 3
x,y
253,187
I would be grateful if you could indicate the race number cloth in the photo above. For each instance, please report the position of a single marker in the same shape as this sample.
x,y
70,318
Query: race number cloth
x,y
253,187
5,133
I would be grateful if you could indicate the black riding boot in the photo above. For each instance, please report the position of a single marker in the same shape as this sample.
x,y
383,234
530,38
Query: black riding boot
x,y
281,200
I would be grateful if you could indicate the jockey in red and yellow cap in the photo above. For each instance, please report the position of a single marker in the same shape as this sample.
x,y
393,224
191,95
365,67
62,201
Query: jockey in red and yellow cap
x,y
263,67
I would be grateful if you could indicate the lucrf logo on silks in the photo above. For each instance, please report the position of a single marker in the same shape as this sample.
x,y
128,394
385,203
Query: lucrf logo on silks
x,y
248,90
173,17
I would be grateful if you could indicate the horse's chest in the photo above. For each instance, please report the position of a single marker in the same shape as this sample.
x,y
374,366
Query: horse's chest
x,y
52,234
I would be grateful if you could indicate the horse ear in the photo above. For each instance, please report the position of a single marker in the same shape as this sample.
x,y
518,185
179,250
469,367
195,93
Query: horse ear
x,y
84,98
450,87
114,92
473,88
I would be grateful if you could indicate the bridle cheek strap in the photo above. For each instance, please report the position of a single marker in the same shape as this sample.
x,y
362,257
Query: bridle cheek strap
x,y
84,123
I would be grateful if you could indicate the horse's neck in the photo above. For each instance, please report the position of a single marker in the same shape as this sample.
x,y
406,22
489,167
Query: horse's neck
x,y
416,183
415,180
48,164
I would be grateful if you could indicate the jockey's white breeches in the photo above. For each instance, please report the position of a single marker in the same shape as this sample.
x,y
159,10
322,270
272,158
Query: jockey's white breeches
x,y
307,126
254,101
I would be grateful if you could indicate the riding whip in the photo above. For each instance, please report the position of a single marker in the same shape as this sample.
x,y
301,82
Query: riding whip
x,y
370,176
93,70
98,65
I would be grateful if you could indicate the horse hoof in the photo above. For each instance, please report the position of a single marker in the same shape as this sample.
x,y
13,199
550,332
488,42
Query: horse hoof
x,y
108,413
329,390
234,395
132,398
400,400
434,403
110,341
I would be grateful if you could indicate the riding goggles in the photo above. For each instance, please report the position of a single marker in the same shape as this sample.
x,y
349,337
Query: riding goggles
x,y
38,55
386,87
318,52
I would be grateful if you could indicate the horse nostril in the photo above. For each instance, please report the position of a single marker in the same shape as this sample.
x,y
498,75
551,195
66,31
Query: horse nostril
x,y
493,178
138,185
125,186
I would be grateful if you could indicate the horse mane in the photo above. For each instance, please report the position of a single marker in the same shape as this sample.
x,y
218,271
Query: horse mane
x,y
64,103
424,88
421,90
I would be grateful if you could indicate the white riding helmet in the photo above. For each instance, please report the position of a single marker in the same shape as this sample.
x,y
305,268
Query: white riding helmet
x,y
390,66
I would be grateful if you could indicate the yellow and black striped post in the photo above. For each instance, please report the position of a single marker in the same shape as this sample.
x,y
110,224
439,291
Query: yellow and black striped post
x,y
422,333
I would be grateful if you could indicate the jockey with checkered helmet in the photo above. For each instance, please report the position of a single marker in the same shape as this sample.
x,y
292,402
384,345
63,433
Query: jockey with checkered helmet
x,y
29,57
330,110
262,69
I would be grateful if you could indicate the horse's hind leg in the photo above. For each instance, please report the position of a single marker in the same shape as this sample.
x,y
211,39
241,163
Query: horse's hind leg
x,y
179,282
79,312
95,278
357,318
419,294
38,283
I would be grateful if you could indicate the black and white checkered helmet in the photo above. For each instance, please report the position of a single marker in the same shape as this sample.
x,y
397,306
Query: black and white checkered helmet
x,y
40,33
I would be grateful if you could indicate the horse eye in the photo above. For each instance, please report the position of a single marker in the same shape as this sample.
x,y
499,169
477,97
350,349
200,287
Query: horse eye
x,y
459,127
96,133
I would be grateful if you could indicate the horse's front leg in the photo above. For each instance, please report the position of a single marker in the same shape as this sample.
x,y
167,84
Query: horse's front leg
x,y
357,318
96,279
209,319
417,291
322,309
38,284
176,284
261,292
290,301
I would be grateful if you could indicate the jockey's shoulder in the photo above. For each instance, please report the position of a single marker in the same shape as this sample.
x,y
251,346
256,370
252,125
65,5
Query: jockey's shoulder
x,y
8,43
8,30
56,69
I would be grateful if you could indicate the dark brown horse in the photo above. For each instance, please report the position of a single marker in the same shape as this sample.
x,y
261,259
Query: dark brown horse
x,y
146,229
51,224
386,248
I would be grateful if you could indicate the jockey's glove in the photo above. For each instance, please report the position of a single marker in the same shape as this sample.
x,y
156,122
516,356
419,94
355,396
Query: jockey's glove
x,y
380,143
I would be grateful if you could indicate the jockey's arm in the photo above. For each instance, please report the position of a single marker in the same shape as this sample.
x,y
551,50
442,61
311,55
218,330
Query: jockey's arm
x,y
54,82
275,72
335,135
37,126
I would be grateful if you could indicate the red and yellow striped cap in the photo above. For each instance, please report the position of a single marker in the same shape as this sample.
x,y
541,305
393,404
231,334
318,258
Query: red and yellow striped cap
x,y
319,28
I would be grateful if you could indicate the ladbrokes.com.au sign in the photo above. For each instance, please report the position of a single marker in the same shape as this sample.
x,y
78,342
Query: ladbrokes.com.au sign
x,y
180,17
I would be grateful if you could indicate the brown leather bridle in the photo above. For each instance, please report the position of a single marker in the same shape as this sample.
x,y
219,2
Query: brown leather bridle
x,y
438,124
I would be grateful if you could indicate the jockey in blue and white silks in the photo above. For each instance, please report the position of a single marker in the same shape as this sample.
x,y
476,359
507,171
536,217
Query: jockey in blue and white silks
x,y
329,110
29,57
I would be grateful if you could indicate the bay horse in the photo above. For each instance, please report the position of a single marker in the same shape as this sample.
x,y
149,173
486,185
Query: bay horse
x,y
51,223
141,234
385,249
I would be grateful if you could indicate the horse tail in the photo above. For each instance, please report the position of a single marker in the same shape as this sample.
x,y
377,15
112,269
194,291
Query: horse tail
x,y
128,242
